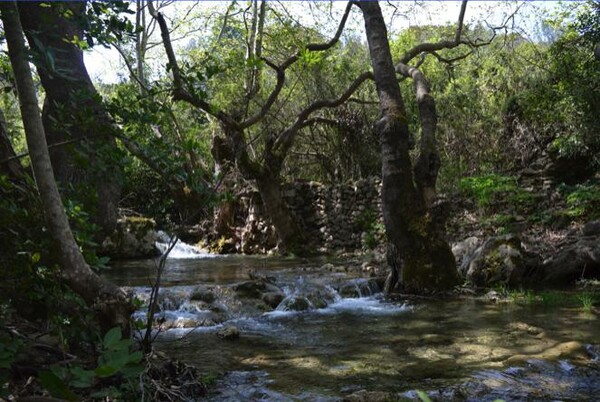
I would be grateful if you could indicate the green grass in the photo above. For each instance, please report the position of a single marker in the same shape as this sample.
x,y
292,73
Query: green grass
x,y
587,301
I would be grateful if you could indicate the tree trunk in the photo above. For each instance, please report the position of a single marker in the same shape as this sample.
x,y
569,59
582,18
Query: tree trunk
x,y
73,109
9,164
110,301
419,257
428,163
288,233
267,176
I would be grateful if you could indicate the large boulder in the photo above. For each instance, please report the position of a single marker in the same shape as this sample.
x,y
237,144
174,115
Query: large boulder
x,y
465,248
580,259
499,260
134,237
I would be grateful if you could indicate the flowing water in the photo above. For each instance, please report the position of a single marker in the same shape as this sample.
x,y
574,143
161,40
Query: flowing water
x,y
334,346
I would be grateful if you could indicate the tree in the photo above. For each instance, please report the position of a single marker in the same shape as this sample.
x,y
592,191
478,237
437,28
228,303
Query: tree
x,y
419,257
236,144
73,112
110,301
9,164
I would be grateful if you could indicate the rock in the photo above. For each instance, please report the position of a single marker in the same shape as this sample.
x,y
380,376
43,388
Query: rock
x,y
591,228
574,261
273,299
464,248
571,349
370,396
294,303
134,237
498,261
309,296
250,289
360,287
204,294
228,333
327,267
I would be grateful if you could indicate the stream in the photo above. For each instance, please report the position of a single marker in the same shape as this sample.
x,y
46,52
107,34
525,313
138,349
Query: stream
x,y
346,337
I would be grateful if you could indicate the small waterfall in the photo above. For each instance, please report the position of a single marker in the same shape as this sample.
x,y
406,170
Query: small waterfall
x,y
182,250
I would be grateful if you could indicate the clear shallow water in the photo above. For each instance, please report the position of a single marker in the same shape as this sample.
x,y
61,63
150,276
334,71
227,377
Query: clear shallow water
x,y
469,349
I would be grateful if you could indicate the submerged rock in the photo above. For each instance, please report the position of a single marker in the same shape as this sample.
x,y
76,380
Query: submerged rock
x,y
229,333
361,287
273,299
254,289
203,293
308,296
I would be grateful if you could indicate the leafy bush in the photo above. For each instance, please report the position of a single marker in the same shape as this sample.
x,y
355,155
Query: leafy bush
x,y
116,359
583,201
492,188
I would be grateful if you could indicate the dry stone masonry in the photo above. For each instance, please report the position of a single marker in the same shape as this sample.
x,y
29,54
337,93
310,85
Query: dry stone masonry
x,y
334,217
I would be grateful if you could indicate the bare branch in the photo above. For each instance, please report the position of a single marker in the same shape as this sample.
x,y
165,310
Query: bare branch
x,y
272,97
132,72
313,47
179,91
284,142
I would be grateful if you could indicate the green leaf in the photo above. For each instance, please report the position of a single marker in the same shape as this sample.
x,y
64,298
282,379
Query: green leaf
x,y
105,371
135,357
132,371
423,396
56,386
82,378
112,337
35,258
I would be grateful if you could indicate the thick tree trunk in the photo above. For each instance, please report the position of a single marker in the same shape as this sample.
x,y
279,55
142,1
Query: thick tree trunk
x,y
288,233
73,109
267,177
110,301
420,259
9,164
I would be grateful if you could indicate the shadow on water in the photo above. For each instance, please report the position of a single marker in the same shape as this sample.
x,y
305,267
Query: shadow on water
x,y
470,350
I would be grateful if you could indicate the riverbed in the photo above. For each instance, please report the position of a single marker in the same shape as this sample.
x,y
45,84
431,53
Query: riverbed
x,y
457,349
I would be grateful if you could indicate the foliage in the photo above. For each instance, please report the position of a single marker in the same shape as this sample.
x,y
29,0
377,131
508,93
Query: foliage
x,y
115,359
85,233
9,347
583,200
372,229
587,301
493,188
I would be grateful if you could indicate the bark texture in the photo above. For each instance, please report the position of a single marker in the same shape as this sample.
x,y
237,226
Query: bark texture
x,y
420,260
9,164
72,109
110,301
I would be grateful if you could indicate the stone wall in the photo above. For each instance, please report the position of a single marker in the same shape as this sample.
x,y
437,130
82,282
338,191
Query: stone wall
x,y
334,217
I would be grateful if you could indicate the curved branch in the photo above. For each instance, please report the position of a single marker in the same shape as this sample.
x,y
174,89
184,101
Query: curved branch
x,y
179,91
280,70
132,73
445,44
317,47
285,140
272,97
